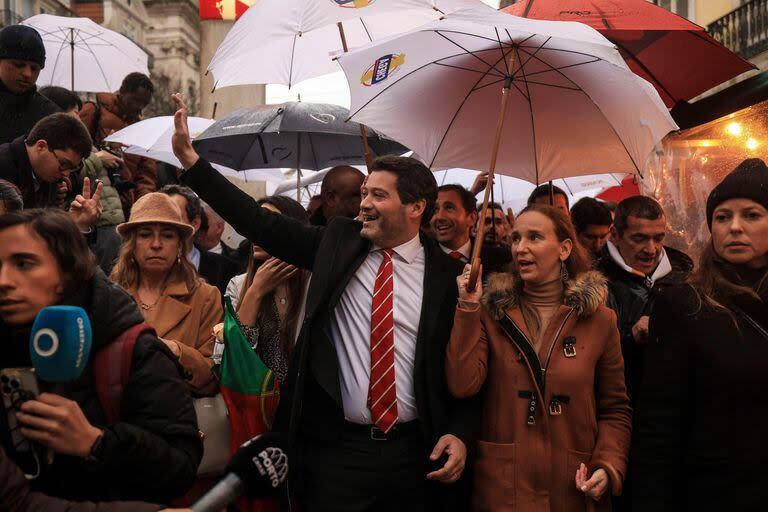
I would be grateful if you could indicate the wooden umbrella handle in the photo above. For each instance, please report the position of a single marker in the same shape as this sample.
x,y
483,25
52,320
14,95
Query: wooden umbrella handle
x,y
480,236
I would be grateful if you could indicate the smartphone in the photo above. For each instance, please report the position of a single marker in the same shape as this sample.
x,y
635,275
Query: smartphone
x,y
17,385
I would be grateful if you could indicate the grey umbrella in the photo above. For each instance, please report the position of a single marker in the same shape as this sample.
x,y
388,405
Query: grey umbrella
x,y
297,134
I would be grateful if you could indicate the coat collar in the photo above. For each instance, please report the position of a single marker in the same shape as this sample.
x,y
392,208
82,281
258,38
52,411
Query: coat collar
x,y
584,293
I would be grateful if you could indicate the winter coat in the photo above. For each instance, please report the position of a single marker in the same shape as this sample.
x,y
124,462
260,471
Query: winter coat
x,y
94,169
702,408
16,168
631,296
20,112
536,431
17,496
100,123
152,453
187,317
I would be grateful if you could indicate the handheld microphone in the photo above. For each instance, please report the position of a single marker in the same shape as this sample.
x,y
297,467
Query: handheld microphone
x,y
60,343
257,469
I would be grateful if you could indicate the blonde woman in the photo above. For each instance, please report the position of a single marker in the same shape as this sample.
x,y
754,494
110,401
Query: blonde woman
x,y
153,267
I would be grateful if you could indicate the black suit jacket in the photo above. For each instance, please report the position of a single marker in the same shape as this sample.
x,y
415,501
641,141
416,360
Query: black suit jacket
x,y
217,270
311,398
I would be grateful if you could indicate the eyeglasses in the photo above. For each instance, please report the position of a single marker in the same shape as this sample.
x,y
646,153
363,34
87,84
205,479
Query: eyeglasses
x,y
65,164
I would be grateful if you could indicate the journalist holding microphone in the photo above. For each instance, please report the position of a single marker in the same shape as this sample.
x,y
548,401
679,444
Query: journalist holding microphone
x,y
150,452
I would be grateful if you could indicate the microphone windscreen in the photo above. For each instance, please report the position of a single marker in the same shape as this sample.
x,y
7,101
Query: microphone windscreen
x,y
262,465
60,343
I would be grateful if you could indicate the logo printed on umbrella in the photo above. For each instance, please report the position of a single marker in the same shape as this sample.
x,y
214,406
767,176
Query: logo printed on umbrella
x,y
382,69
323,118
353,4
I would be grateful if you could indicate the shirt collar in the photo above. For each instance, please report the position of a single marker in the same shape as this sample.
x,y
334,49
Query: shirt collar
x,y
408,251
464,250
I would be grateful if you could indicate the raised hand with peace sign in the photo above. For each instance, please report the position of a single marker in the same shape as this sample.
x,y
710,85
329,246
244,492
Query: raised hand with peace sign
x,y
86,209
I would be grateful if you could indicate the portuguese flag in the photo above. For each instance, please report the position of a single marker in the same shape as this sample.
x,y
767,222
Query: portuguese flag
x,y
250,389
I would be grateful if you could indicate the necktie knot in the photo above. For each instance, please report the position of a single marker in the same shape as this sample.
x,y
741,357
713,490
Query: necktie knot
x,y
455,255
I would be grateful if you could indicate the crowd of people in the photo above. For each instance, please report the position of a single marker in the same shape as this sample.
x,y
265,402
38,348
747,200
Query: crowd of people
x,y
591,367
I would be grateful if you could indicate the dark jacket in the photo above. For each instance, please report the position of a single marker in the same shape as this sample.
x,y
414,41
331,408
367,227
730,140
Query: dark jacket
x,y
702,409
16,168
20,112
217,270
310,406
631,296
16,495
152,454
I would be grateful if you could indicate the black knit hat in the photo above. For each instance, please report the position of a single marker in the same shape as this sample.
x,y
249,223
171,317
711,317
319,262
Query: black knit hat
x,y
22,43
749,180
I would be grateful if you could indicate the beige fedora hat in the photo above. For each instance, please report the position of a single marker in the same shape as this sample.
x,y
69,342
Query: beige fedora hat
x,y
155,208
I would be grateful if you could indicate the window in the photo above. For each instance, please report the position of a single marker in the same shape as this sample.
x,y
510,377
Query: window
x,y
683,8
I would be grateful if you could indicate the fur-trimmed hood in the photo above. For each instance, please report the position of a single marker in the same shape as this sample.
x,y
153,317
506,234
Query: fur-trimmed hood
x,y
584,293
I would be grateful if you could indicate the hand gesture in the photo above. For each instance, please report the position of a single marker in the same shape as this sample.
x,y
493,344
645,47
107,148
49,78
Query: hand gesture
x,y
457,458
462,281
86,209
181,140
270,275
481,181
57,423
595,486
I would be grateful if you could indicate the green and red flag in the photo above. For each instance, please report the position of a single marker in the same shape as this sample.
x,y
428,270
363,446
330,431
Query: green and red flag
x,y
249,388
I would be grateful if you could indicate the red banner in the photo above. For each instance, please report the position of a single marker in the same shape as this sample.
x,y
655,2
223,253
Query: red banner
x,y
223,9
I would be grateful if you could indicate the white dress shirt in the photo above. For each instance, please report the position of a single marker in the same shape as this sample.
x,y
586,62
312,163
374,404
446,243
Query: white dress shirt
x,y
217,250
194,257
465,250
351,330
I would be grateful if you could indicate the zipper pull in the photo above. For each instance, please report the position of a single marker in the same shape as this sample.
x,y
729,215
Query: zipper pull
x,y
531,396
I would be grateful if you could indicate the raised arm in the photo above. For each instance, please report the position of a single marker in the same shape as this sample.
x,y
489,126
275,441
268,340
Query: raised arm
x,y
282,237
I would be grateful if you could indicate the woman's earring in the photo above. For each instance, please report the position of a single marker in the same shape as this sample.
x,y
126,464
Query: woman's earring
x,y
563,271
178,258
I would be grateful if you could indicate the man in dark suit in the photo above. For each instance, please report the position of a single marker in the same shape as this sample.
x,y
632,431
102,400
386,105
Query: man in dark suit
x,y
216,269
454,218
365,404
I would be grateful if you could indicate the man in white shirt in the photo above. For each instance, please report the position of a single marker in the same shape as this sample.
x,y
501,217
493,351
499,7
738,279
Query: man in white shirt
x,y
453,220
365,405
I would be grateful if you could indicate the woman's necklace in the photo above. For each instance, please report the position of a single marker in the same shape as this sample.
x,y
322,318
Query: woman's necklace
x,y
146,306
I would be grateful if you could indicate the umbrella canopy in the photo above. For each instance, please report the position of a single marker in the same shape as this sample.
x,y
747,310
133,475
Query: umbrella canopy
x,y
300,135
81,55
677,56
151,138
616,194
574,108
287,41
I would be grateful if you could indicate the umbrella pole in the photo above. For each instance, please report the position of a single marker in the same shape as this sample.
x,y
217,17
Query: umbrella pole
x,y
551,194
72,58
363,134
475,268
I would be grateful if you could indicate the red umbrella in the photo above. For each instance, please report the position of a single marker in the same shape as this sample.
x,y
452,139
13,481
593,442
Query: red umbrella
x,y
677,56
628,188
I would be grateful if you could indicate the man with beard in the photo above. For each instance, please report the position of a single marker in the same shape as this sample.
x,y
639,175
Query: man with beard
x,y
453,220
22,56
638,266
365,405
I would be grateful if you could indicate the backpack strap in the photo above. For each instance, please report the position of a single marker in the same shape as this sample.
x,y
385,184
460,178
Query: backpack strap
x,y
96,120
112,367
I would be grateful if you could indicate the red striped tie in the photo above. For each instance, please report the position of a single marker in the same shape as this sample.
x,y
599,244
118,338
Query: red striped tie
x,y
455,255
382,393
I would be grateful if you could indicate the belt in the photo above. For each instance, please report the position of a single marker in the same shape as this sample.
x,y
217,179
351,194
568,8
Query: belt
x,y
400,430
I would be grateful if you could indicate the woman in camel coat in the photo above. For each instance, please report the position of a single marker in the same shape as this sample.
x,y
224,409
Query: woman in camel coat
x,y
556,427
154,269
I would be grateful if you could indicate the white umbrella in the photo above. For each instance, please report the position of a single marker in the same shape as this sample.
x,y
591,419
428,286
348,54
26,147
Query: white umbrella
x,y
564,101
81,55
151,138
287,41
574,108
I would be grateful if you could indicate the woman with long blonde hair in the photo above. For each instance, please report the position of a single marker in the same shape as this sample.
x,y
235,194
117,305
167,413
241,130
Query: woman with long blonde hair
x,y
153,267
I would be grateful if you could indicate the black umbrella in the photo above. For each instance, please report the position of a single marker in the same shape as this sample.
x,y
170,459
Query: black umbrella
x,y
302,135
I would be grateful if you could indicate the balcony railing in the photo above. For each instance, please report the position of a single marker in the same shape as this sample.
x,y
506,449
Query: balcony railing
x,y
744,30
